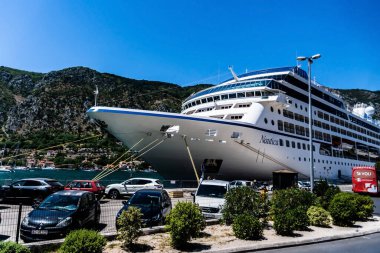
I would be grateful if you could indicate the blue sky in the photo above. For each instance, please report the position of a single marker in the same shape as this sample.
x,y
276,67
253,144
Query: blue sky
x,y
189,42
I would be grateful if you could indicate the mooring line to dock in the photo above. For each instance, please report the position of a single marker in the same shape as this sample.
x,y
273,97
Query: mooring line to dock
x,y
104,171
191,158
63,144
110,171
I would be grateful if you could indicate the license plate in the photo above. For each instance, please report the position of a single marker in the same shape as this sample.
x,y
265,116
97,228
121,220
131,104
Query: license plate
x,y
39,232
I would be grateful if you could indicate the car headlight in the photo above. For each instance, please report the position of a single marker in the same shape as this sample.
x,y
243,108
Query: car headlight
x,y
25,221
64,222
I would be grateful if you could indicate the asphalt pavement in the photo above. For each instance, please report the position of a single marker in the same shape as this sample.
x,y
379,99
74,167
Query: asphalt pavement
x,y
362,244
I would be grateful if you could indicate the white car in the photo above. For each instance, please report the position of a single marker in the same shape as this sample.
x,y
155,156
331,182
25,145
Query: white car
x,y
240,183
210,197
132,185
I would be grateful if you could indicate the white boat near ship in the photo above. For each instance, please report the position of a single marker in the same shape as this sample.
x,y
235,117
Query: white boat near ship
x,y
249,126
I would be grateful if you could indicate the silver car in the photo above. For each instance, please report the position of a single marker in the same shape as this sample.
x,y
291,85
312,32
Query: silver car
x,y
132,185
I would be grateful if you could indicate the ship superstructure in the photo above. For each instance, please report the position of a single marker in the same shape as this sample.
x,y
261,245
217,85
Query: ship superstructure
x,y
249,126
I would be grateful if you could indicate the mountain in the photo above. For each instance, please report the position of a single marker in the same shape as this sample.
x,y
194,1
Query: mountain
x,y
58,100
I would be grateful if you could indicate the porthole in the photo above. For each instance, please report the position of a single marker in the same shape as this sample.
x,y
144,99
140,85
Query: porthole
x,y
272,122
296,105
279,111
301,107
271,108
265,120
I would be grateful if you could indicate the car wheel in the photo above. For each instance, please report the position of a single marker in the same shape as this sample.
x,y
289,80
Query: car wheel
x,y
114,194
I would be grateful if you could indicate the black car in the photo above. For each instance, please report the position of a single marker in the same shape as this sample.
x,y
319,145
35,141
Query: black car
x,y
35,189
60,213
155,205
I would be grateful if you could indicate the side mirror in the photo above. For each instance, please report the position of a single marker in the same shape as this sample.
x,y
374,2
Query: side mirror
x,y
193,194
35,205
165,205
124,202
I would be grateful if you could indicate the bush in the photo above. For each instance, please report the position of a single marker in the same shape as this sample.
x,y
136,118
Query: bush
x,y
343,209
184,222
12,247
326,197
129,226
247,227
365,207
289,209
83,241
318,216
320,188
244,200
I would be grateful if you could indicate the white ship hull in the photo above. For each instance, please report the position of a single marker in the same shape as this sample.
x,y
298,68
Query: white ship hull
x,y
257,158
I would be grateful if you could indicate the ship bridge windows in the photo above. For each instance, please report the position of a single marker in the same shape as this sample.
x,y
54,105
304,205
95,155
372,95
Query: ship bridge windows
x,y
241,94
224,96
235,117
243,105
232,95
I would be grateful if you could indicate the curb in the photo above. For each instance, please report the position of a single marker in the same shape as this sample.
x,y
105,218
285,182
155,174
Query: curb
x,y
301,242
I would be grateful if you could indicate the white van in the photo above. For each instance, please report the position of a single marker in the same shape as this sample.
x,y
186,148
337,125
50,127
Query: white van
x,y
210,197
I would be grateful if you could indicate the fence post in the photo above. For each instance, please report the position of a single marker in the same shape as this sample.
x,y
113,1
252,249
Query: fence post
x,y
18,222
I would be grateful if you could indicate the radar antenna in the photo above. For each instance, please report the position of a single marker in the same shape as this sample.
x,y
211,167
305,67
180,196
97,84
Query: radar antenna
x,y
96,92
233,74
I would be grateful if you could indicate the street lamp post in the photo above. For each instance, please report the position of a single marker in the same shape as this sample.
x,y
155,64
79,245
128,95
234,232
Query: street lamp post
x,y
309,62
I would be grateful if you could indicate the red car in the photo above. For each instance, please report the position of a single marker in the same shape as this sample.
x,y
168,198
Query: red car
x,y
87,185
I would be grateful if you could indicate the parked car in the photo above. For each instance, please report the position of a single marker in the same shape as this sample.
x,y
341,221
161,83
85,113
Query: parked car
x,y
132,185
60,213
155,205
305,185
87,185
35,189
210,197
239,183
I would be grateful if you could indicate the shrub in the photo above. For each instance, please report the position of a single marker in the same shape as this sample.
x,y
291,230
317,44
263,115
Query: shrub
x,y
365,207
12,247
184,222
129,226
343,209
320,188
289,209
244,200
247,227
325,199
318,216
83,241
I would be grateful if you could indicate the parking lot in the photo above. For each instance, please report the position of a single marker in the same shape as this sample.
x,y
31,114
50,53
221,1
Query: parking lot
x,y
109,208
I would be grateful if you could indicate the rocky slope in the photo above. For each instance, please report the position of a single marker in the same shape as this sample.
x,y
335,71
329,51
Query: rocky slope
x,y
58,100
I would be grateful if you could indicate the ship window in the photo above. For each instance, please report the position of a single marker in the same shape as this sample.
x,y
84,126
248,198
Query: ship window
x,y
303,146
210,99
281,142
193,103
296,106
280,125
279,111
287,143
265,120
257,94
204,100
249,94
301,107
272,121
211,132
293,144
271,108
216,98
298,145
224,97
241,95
235,135
198,102
232,95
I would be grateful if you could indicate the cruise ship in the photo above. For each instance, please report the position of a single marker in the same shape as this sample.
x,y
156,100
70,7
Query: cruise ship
x,y
249,126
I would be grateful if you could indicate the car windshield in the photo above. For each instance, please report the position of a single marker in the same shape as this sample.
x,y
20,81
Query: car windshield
x,y
60,202
144,199
214,191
